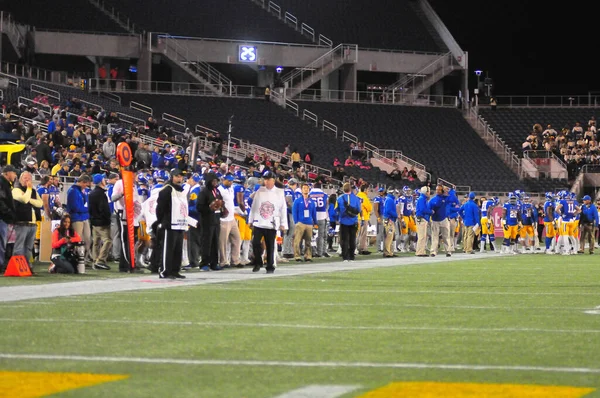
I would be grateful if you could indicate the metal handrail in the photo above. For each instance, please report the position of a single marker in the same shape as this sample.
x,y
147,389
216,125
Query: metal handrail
x,y
167,117
36,88
306,114
141,108
124,117
11,79
25,100
110,96
429,70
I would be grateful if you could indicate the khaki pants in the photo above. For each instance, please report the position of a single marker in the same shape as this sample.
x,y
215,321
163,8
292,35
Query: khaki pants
x,y
363,242
390,232
102,244
229,233
453,223
469,238
440,229
83,230
587,234
421,237
303,232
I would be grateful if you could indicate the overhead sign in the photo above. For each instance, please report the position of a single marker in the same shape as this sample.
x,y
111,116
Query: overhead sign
x,y
247,54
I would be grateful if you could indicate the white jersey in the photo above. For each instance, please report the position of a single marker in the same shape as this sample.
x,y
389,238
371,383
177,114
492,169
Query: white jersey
x,y
269,210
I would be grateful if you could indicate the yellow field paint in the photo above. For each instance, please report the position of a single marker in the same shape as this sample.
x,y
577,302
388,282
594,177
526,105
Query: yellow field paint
x,y
472,390
40,384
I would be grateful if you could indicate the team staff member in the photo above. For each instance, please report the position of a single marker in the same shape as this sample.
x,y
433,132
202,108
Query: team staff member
x,y
100,220
28,210
171,215
452,209
317,195
288,237
267,215
304,212
440,226
390,217
423,214
229,233
209,206
194,239
77,207
469,212
367,208
349,207
378,209
588,223
7,207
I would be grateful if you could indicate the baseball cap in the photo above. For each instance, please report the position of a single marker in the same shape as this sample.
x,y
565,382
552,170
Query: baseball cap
x,y
293,181
196,177
229,177
98,178
268,174
472,195
175,172
9,167
113,176
587,197
381,189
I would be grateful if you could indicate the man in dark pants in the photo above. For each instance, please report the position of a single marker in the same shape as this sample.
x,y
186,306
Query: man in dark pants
x,y
100,216
209,206
267,214
7,208
171,216
348,222
194,236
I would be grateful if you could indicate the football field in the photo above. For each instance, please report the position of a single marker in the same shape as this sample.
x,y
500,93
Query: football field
x,y
489,326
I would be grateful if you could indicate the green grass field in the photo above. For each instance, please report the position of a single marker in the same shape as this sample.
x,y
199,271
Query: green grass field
x,y
510,320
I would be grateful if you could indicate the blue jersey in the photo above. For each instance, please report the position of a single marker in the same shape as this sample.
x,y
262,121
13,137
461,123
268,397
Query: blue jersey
x,y
408,206
236,189
528,214
548,205
568,208
486,207
320,199
379,200
143,192
289,194
247,192
512,214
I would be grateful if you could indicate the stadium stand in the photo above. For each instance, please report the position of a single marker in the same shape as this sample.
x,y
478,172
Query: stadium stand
x,y
245,20
262,123
355,22
439,138
61,15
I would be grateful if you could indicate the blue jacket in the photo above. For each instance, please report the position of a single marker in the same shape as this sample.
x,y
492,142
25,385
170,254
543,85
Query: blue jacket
x,y
192,201
437,205
422,208
298,211
389,208
469,212
452,205
345,219
334,215
589,214
77,205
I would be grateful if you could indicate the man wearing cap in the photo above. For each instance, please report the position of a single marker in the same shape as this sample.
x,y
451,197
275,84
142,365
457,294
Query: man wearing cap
x,y
422,214
229,235
194,233
288,238
378,209
348,203
100,218
440,226
469,212
320,199
78,208
267,215
588,222
171,219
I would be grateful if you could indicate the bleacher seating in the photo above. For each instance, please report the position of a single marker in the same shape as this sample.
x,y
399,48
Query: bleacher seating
x,y
513,125
439,138
366,23
62,15
224,19
262,123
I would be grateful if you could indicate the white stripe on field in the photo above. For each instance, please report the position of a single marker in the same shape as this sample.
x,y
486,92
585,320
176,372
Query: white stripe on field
x,y
306,326
319,304
379,291
298,364
319,391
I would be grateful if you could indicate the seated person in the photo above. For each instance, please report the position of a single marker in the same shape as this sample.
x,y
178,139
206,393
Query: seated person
x,y
65,241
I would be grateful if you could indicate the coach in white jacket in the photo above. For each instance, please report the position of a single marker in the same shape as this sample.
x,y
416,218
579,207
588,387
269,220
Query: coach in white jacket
x,y
267,215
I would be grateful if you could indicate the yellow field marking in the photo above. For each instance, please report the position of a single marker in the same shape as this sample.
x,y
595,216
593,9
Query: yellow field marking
x,y
39,384
472,390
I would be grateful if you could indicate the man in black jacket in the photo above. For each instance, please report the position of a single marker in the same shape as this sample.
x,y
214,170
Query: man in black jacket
x,y
171,220
100,222
7,207
209,205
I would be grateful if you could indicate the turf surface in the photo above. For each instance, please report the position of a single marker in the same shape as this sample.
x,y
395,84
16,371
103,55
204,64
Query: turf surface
x,y
513,320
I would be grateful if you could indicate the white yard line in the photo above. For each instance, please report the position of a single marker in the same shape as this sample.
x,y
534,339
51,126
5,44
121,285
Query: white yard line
x,y
297,364
317,304
319,391
304,326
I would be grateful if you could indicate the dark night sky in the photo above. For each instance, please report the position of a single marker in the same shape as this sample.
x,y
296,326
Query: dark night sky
x,y
528,47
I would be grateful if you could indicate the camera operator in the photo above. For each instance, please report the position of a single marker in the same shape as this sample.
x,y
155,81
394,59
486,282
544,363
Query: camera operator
x,y
65,243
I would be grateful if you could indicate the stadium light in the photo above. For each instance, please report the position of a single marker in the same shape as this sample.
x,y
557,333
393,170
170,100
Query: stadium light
x,y
279,69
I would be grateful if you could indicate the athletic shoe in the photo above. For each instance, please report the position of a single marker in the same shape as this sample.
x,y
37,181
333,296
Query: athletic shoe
x,y
325,254
256,268
179,276
167,277
186,268
270,270
345,261
205,269
216,268
101,266
240,265
450,254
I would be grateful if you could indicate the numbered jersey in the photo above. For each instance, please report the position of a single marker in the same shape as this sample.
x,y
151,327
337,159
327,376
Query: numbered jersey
x,y
379,200
512,214
320,199
528,214
568,208
408,206
486,207
237,189
547,206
